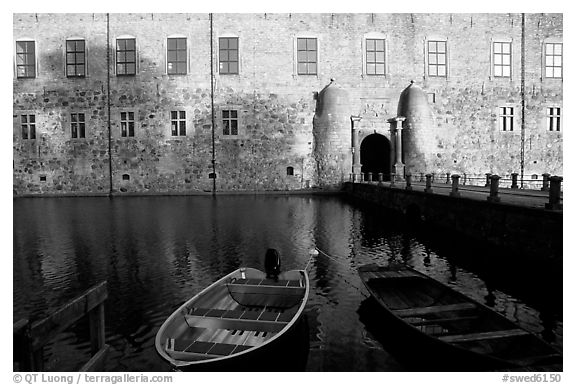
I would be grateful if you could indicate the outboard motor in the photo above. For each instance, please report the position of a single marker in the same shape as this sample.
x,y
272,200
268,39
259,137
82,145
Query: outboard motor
x,y
272,263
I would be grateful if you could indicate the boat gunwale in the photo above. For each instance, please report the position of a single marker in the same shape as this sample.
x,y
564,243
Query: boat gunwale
x,y
210,359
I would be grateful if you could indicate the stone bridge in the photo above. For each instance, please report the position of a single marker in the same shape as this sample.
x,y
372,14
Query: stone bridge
x,y
524,223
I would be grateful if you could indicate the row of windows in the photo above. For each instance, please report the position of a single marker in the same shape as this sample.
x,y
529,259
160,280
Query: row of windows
x,y
506,118
306,57
230,122
127,124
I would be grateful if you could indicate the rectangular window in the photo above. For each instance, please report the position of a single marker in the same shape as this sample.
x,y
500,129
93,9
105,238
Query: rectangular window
x,y
502,59
228,55
127,124
437,59
553,60
177,56
178,122
375,64
28,122
507,118
78,125
230,122
25,59
125,57
553,119
75,58
307,54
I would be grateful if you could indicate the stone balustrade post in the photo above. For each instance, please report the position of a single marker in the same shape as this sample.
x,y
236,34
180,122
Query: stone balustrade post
x,y
428,188
408,181
554,193
369,176
494,181
488,175
455,192
380,177
514,180
392,179
545,182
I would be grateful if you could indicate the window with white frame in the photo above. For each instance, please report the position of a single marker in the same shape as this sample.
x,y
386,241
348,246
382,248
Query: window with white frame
x,y
25,59
553,60
375,57
126,57
177,62
228,55
307,56
28,124
127,124
437,55
506,118
78,125
229,122
75,58
502,59
553,118
178,123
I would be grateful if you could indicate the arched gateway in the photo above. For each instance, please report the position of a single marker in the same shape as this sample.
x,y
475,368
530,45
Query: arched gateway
x,y
375,156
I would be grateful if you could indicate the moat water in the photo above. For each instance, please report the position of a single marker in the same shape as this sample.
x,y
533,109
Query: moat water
x,y
156,252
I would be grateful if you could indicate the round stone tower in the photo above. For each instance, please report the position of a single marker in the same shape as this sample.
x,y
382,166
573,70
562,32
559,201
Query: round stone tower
x,y
332,136
418,136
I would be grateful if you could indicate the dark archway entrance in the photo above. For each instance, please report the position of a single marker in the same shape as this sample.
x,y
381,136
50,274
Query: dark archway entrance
x,y
375,156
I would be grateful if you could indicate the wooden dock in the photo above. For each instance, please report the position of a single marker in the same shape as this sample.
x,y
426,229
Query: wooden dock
x,y
30,338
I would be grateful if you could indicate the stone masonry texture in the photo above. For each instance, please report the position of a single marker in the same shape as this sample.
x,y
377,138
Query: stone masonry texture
x,y
276,106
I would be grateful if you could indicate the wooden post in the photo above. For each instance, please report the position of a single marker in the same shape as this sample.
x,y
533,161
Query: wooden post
x,y
455,192
97,328
545,182
22,347
447,178
554,194
428,188
493,197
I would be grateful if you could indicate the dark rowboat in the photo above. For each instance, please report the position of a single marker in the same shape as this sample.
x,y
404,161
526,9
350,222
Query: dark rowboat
x,y
443,326
242,322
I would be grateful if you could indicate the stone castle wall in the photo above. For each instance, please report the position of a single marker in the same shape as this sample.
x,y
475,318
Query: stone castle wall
x,y
276,106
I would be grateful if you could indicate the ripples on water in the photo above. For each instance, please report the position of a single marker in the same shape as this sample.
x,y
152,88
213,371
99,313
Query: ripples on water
x,y
156,252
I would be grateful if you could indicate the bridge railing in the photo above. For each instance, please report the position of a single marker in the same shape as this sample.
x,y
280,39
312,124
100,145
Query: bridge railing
x,y
550,184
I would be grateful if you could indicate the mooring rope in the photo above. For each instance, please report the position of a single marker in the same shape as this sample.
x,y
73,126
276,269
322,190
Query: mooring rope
x,y
316,251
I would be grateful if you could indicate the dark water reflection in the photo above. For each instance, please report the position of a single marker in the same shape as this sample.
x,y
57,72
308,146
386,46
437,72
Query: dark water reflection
x,y
156,252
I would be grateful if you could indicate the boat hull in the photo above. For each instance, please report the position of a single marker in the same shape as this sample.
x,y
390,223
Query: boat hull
x,y
245,321
454,333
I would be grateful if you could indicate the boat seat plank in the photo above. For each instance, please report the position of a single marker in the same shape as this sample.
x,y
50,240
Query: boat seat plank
x,y
418,311
266,291
536,360
482,336
229,323
422,321
195,349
